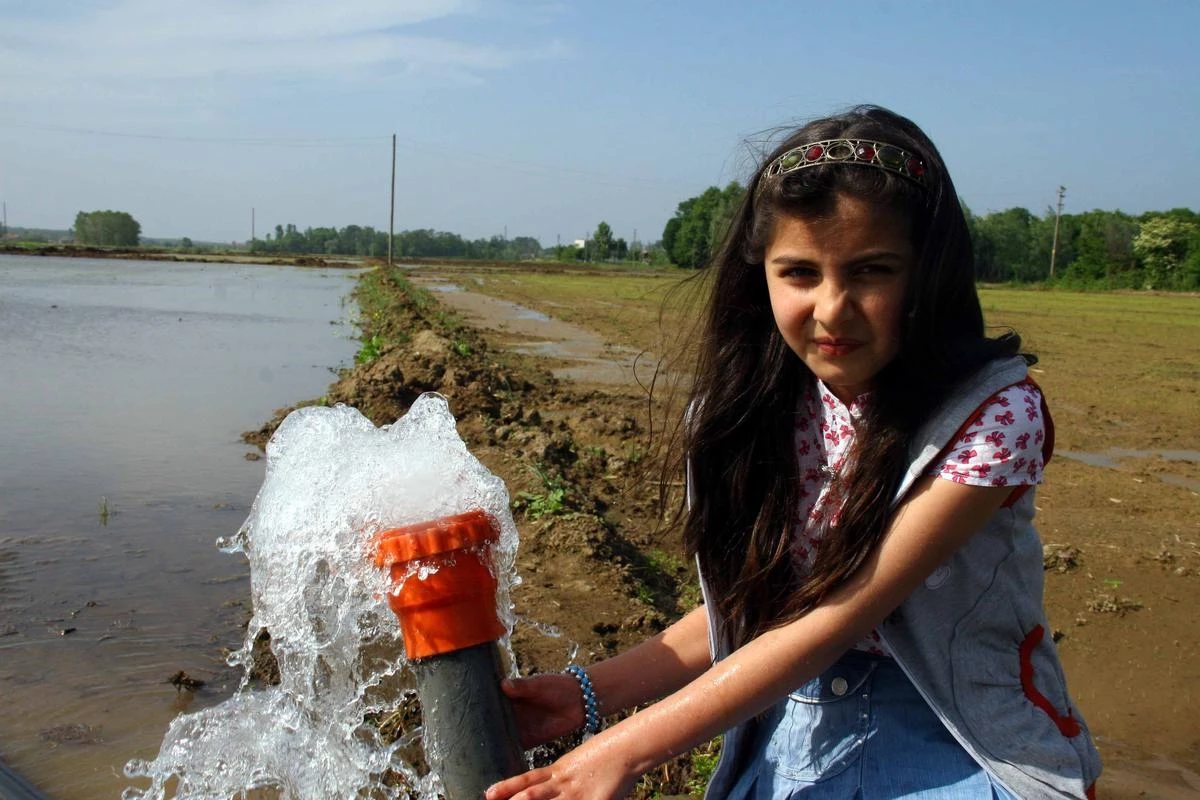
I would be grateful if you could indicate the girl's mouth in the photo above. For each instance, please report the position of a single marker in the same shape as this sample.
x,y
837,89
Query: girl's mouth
x,y
829,346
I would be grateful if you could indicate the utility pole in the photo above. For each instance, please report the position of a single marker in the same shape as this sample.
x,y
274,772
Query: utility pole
x,y
4,227
1062,190
252,236
392,208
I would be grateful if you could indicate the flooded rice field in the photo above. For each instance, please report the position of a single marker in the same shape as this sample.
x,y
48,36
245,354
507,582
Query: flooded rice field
x,y
126,387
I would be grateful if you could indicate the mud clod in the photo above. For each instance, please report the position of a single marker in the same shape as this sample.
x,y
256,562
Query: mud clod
x,y
1112,604
1061,558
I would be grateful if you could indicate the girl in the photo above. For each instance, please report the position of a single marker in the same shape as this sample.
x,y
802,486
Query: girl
x,y
861,464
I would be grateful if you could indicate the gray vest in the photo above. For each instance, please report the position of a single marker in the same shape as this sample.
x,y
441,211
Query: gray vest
x,y
974,638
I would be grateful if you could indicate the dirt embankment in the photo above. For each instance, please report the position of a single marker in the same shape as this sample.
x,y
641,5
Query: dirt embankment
x,y
598,574
142,254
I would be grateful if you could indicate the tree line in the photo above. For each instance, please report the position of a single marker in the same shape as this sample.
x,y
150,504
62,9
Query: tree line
x,y
356,240
107,228
118,228
1096,249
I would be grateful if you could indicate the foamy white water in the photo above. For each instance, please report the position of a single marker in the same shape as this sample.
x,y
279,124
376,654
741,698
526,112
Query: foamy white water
x,y
333,480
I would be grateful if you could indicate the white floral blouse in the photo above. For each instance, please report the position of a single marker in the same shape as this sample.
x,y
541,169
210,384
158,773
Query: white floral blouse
x,y
1000,446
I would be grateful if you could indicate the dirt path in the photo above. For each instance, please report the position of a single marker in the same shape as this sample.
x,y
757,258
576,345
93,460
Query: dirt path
x,y
571,352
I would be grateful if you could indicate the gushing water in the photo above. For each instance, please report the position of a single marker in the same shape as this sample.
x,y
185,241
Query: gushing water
x,y
332,481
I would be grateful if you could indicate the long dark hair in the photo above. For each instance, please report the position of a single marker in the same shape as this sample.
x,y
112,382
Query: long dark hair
x,y
748,383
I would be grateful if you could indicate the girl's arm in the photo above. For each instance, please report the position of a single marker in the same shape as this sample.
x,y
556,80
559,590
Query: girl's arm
x,y
656,667
937,518
549,706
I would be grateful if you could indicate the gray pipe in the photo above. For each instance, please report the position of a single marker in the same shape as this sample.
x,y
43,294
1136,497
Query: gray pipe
x,y
470,731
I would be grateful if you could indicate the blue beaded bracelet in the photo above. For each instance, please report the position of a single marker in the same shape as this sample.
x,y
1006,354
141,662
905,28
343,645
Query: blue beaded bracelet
x,y
591,709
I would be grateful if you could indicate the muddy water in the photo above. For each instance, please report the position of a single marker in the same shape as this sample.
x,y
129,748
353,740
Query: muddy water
x,y
1111,458
125,387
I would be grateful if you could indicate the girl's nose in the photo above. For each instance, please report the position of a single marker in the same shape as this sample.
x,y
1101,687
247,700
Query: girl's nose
x,y
833,303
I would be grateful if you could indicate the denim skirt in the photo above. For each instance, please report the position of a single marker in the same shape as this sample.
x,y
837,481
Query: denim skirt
x,y
859,731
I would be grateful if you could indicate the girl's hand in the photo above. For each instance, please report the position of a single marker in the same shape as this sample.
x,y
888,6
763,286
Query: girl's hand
x,y
546,707
596,770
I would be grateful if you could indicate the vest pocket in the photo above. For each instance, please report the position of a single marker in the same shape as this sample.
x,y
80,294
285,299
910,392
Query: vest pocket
x,y
818,730
1009,687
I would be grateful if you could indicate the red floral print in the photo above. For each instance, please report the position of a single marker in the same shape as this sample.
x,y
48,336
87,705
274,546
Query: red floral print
x,y
982,456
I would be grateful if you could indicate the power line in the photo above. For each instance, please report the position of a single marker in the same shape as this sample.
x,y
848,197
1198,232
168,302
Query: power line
x,y
493,161
274,141
525,167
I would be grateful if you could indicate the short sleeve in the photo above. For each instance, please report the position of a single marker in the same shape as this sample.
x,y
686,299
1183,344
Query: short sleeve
x,y
1003,444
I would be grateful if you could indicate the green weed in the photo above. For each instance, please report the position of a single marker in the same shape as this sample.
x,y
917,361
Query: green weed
x,y
704,763
449,321
552,501
370,350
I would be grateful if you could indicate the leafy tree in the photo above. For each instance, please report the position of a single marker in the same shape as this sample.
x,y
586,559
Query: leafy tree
x,y
568,252
1004,245
671,234
112,228
1163,246
523,247
602,242
1103,246
702,223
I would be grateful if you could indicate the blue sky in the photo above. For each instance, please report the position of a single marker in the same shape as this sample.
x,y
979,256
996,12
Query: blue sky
x,y
543,118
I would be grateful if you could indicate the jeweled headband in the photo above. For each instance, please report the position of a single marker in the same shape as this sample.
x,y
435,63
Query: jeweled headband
x,y
863,152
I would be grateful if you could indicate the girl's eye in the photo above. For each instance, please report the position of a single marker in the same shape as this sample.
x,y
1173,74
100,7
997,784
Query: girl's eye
x,y
800,273
873,270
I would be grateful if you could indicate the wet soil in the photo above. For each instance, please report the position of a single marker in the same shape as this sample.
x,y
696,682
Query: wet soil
x,y
569,426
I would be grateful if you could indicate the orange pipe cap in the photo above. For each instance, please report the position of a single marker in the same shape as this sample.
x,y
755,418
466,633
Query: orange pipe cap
x,y
454,605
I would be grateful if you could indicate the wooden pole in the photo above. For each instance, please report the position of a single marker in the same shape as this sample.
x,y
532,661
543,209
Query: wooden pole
x,y
392,209
1062,190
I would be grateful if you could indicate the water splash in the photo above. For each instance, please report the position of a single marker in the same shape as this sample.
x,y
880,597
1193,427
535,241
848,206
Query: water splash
x,y
333,480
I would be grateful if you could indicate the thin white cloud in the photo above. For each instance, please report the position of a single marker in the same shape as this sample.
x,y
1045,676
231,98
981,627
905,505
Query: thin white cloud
x,y
118,53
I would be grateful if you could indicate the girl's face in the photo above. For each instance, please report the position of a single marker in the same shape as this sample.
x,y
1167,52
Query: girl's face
x,y
837,287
